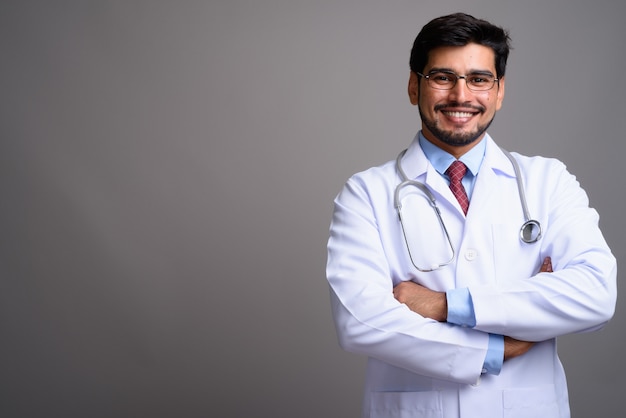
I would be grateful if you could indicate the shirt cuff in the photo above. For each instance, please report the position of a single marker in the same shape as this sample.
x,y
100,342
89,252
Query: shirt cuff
x,y
461,312
495,355
460,307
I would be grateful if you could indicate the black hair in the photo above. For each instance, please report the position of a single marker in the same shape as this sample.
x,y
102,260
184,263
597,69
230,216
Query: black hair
x,y
460,29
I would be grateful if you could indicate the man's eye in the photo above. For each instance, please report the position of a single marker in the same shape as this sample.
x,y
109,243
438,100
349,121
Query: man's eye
x,y
479,80
441,77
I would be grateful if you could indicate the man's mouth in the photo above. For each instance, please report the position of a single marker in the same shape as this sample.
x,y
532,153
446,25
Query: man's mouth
x,y
457,114
456,110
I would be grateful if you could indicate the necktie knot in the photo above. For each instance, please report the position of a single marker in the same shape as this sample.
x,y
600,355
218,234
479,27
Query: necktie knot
x,y
456,171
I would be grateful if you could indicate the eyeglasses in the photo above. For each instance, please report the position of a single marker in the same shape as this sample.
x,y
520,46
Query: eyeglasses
x,y
446,80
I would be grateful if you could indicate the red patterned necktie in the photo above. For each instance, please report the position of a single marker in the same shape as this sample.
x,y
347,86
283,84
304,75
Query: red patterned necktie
x,y
456,171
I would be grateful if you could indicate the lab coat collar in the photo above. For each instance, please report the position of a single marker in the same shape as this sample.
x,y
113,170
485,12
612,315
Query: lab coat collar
x,y
496,161
417,166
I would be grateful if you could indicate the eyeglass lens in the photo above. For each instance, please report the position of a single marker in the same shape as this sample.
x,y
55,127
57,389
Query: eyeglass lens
x,y
446,81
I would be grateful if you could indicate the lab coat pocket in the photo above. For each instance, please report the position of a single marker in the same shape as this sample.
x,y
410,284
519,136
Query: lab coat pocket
x,y
539,402
512,257
406,405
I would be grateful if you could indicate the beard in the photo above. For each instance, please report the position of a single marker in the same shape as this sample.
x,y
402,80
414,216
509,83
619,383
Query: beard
x,y
455,139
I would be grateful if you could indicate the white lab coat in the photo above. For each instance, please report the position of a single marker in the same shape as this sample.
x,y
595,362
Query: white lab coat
x,y
418,367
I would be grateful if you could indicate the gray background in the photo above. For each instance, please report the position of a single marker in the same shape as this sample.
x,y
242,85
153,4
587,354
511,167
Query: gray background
x,y
167,171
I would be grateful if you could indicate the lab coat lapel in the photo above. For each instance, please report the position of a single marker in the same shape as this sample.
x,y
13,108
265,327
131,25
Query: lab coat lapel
x,y
485,197
442,191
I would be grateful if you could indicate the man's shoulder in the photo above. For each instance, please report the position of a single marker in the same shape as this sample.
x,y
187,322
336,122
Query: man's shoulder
x,y
537,161
381,171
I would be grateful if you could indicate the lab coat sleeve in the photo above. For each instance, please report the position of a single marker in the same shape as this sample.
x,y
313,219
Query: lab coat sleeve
x,y
368,319
580,294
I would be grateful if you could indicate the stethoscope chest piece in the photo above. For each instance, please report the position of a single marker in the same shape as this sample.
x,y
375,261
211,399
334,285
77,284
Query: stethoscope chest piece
x,y
530,231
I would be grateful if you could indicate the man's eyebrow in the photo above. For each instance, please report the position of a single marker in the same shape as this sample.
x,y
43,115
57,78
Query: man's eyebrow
x,y
451,71
481,72
441,70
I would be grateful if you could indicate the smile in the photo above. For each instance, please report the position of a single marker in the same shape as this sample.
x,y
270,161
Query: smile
x,y
458,110
459,114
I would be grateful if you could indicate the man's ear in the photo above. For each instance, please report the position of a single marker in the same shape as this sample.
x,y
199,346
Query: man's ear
x,y
500,96
413,88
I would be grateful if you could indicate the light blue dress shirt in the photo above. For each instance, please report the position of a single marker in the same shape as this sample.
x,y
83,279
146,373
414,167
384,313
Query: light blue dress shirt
x,y
460,305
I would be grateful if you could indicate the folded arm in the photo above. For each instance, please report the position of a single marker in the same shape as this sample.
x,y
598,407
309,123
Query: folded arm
x,y
433,304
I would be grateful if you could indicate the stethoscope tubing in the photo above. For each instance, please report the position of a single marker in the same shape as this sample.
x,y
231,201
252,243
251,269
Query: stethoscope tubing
x,y
530,231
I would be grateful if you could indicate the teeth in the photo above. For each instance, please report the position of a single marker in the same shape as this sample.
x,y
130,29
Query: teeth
x,y
459,114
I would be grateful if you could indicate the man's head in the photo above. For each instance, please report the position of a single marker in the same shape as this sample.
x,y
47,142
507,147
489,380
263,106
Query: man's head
x,y
457,79
460,29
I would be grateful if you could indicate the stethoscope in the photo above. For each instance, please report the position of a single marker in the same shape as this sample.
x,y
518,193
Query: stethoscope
x,y
530,231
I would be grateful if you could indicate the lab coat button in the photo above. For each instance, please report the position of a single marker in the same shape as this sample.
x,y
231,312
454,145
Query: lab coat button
x,y
470,254
475,385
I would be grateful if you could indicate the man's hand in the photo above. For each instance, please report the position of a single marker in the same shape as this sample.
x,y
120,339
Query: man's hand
x,y
546,267
426,302
514,348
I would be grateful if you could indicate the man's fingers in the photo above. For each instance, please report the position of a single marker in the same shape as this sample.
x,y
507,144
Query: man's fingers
x,y
546,266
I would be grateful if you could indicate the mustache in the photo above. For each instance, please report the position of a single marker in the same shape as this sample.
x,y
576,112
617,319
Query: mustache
x,y
460,106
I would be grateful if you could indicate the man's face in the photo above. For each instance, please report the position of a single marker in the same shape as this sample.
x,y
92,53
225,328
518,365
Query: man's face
x,y
456,119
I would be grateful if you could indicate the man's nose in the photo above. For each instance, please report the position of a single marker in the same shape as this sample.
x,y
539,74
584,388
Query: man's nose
x,y
460,90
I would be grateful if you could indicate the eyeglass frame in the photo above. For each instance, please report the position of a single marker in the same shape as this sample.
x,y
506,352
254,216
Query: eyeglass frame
x,y
436,86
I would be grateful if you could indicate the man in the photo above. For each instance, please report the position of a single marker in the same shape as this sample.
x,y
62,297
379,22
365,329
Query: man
x,y
459,314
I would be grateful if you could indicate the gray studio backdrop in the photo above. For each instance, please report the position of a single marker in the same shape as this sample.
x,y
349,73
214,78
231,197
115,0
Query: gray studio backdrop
x,y
167,171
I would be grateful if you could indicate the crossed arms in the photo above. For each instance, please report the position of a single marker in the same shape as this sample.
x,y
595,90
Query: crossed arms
x,y
433,304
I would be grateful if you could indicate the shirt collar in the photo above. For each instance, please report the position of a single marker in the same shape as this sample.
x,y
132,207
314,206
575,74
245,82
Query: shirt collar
x,y
441,159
